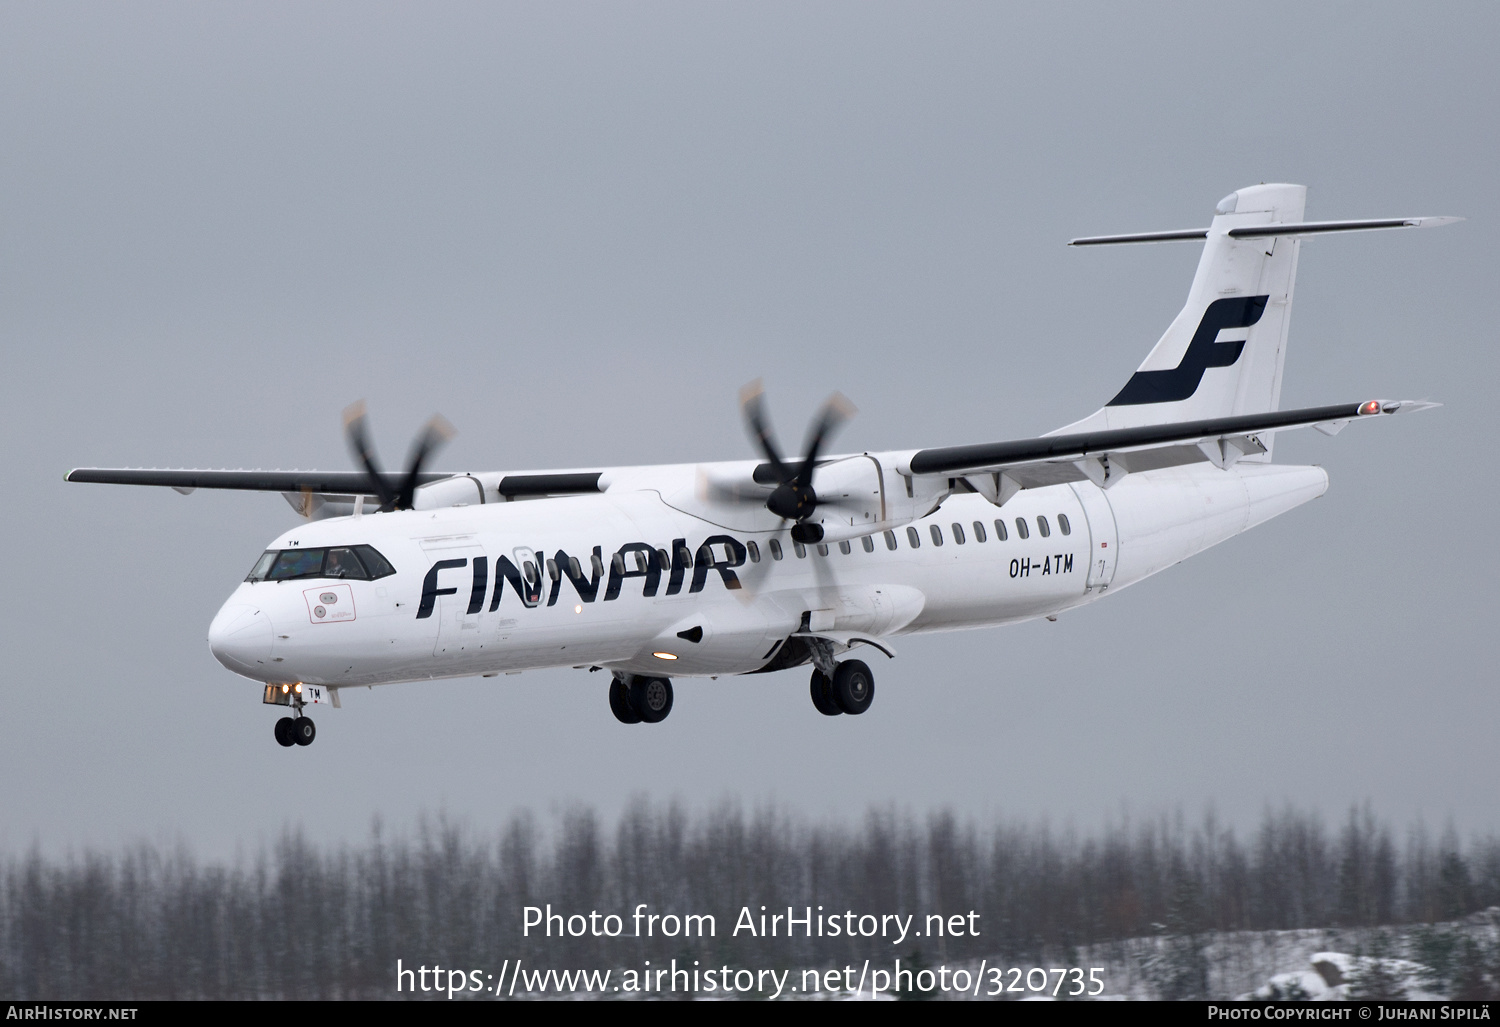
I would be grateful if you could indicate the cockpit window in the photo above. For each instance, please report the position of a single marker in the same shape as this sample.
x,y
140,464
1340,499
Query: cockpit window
x,y
263,565
377,565
358,563
298,563
342,563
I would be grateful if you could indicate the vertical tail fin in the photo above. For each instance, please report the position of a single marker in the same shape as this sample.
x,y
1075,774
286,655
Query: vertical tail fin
x,y
1223,353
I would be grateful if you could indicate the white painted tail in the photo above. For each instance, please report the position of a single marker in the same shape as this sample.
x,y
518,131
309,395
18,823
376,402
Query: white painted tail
x,y
1223,353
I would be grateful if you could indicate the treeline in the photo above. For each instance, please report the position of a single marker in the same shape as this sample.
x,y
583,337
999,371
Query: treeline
x,y
310,922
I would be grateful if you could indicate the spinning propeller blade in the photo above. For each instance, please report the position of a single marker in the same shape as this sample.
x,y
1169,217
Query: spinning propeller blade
x,y
794,497
434,433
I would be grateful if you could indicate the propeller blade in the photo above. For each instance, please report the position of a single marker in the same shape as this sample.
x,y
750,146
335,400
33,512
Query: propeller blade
x,y
794,498
435,433
835,412
733,492
359,444
760,429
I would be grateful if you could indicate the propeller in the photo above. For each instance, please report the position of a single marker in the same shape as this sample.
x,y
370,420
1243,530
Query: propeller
x,y
434,433
793,498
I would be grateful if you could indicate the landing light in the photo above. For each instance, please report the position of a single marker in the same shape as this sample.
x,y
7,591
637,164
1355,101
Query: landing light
x,y
664,656
285,689
297,688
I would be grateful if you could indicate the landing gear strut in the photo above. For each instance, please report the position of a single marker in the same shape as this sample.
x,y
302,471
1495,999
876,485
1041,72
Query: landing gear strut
x,y
640,699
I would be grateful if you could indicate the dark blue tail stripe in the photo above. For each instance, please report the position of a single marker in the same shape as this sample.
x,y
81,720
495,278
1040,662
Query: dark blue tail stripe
x,y
1202,353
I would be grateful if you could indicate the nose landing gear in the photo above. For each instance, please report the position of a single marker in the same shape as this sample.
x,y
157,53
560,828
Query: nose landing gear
x,y
640,699
296,729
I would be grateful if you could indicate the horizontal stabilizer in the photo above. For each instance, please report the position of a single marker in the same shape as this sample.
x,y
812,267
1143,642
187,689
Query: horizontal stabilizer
x,y
1262,231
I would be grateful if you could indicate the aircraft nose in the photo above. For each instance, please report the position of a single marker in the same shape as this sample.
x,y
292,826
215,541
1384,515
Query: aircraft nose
x,y
240,639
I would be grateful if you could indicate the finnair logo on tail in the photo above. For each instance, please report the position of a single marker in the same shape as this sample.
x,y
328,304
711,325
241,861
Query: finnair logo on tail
x,y
1202,353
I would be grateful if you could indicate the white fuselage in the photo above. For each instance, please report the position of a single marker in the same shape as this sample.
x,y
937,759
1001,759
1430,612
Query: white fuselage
x,y
641,597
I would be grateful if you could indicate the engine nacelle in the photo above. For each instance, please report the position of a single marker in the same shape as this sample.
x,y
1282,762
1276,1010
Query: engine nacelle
x,y
857,497
459,490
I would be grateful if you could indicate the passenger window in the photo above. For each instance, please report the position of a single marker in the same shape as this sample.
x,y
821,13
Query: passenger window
x,y
753,551
822,549
640,561
684,556
869,543
552,570
1021,529
775,549
890,540
377,565
661,555
1043,527
533,575
1063,525
937,534
844,547
596,565
705,557
575,569
913,538
799,549
979,535
1000,533
298,563
958,533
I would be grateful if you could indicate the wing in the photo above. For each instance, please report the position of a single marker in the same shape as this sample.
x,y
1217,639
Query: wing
x,y
320,494
1105,456
338,483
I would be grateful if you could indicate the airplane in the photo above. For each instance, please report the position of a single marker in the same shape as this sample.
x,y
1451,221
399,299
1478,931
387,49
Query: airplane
x,y
754,566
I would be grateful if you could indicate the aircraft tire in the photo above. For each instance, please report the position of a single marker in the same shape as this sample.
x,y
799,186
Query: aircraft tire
x,y
619,703
284,732
651,698
853,687
304,731
822,694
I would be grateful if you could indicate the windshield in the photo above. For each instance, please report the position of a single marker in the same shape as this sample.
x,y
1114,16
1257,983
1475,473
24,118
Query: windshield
x,y
360,563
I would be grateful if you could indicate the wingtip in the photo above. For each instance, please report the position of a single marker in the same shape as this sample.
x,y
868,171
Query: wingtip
x,y
1405,406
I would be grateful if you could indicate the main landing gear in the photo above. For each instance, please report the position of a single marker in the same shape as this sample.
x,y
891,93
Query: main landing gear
x,y
850,689
638,700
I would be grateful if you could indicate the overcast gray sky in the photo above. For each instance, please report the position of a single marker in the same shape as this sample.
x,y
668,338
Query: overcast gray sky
x,y
577,229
